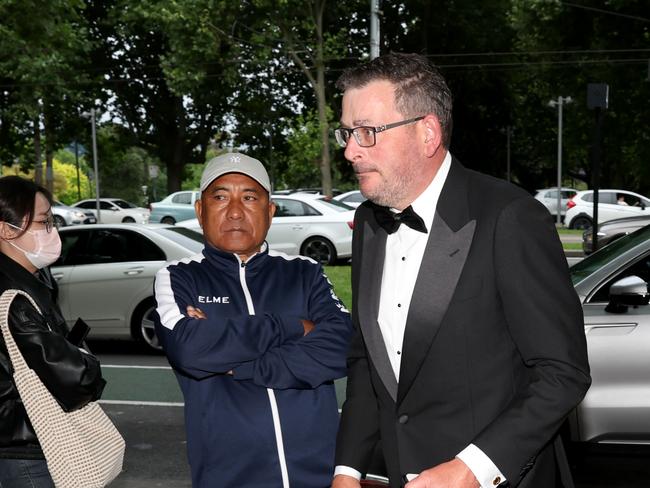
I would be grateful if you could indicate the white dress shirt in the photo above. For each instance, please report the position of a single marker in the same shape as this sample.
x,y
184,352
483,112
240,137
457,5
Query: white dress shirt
x,y
404,251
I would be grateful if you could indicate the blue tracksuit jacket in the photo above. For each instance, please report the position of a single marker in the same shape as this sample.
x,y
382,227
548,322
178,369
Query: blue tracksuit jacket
x,y
273,421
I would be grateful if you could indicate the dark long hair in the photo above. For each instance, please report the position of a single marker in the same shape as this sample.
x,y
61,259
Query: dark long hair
x,y
18,199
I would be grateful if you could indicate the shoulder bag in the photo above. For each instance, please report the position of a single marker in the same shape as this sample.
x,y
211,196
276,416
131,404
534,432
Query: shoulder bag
x,y
83,449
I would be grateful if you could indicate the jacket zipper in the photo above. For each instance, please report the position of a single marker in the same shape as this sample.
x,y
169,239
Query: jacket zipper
x,y
277,427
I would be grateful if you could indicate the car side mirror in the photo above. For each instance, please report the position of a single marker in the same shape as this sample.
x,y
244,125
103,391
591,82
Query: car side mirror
x,y
626,292
642,205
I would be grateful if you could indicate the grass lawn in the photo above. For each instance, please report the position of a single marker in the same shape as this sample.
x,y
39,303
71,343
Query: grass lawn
x,y
572,246
569,232
340,278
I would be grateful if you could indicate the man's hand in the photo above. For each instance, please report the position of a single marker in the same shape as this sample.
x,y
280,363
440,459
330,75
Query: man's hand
x,y
343,481
452,474
308,326
195,313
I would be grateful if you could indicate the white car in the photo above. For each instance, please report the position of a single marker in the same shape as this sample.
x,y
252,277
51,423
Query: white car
x,y
106,271
307,224
115,211
548,196
612,204
66,215
352,198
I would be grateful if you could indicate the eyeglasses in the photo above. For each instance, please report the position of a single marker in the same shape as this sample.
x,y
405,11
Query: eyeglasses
x,y
366,136
49,223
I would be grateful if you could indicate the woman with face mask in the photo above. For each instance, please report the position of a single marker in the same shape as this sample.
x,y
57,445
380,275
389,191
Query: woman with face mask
x,y
29,242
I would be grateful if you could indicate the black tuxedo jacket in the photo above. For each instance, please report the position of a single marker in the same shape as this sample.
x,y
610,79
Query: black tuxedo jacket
x,y
494,350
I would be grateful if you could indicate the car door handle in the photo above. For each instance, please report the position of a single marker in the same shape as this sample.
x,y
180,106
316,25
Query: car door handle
x,y
609,329
134,271
297,227
57,276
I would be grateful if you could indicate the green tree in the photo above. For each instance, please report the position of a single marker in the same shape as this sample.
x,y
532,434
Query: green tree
x,y
124,167
43,46
587,46
300,45
171,74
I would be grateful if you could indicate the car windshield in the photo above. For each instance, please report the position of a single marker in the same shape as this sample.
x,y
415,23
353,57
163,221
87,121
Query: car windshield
x,y
188,238
335,205
124,204
597,260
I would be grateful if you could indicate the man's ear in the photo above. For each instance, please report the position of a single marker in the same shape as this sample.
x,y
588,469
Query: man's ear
x,y
432,134
272,209
198,210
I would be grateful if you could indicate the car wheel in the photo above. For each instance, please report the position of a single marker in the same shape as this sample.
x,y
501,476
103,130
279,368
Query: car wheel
x,y
142,328
581,223
320,250
128,220
168,220
59,221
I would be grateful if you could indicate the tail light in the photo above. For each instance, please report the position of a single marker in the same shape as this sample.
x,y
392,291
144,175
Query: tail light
x,y
570,204
351,224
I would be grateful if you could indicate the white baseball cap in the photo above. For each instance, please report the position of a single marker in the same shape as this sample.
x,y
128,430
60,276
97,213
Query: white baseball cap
x,y
235,163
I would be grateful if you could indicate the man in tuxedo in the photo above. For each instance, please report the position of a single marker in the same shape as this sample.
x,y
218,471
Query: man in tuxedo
x,y
469,350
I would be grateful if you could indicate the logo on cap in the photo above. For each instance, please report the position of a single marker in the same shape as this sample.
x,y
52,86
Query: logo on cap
x,y
235,159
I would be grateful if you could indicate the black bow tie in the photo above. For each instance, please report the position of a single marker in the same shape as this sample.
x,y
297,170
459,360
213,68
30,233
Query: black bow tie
x,y
391,221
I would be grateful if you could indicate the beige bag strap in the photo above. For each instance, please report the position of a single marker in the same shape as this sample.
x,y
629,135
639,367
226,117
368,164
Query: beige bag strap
x,y
17,359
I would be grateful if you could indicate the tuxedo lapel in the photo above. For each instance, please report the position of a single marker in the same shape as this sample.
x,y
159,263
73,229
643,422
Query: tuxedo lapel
x,y
442,263
367,298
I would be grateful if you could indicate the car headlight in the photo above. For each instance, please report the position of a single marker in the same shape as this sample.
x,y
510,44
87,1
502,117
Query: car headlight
x,y
79,215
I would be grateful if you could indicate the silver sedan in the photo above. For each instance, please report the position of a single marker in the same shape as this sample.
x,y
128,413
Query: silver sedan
x,y
105,275
612,285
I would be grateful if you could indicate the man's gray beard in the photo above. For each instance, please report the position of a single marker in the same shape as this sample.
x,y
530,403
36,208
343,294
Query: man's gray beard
x,y
394,193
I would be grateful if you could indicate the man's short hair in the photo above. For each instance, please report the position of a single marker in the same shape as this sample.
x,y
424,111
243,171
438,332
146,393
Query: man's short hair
x,y
420,88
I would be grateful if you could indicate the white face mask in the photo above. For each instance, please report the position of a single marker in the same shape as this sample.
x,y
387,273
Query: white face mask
x,y
47,246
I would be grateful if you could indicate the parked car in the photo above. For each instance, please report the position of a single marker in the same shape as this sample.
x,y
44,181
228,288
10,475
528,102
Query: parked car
x,y
314,190
612,286
309,225
115,211
548,196
612,204
105,275
612,230
175,207
352,198
66,215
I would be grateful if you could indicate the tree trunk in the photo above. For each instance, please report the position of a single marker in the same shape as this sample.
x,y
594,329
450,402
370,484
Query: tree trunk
x,y
325,164
49,153
178,150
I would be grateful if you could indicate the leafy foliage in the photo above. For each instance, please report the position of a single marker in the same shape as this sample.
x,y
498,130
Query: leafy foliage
x,y
176,81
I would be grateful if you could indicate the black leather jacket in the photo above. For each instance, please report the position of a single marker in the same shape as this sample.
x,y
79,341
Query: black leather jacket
x,y
72,376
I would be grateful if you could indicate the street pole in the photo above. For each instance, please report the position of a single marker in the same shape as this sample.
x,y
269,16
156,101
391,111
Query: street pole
x,y
597,100
374,29
508,134
559,103
95,165
76,160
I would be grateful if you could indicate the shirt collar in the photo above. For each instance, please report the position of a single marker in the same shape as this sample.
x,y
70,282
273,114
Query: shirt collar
x,y
425,204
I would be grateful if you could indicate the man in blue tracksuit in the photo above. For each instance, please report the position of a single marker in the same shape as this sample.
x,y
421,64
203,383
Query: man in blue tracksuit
x,y
256,339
